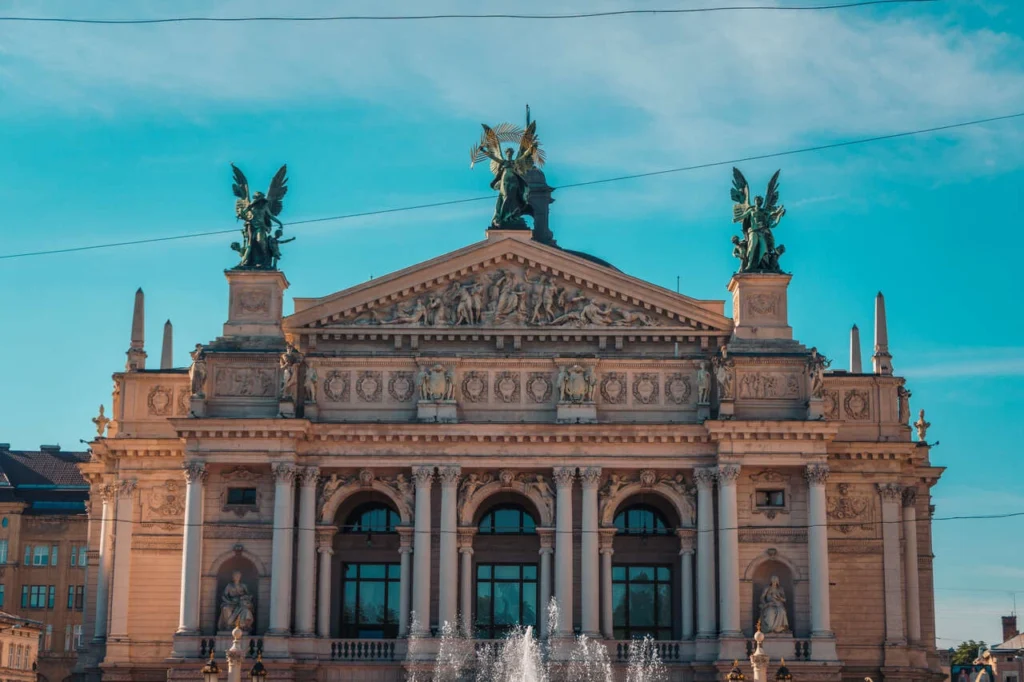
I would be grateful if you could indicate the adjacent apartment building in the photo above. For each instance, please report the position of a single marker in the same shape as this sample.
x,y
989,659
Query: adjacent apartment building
x,y
43,555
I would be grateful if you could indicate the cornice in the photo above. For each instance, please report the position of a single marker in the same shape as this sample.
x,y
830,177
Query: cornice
x,y
754,430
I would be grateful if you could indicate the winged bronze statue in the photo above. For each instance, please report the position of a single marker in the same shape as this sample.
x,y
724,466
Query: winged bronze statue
x,y
509,169
260,248
757,250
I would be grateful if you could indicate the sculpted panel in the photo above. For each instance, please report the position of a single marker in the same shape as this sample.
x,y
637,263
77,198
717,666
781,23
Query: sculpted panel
x,y
677,388
506,387
645,388
401,386
613,388
245,382
857,405
539,387
336,386
370,386
159,401
768,385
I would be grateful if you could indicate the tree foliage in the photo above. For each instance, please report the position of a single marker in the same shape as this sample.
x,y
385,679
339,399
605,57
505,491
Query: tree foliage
x,y
967,652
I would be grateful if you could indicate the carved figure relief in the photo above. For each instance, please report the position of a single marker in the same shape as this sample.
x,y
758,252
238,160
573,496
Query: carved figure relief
x,y
436,383
167,503
849,510
903,397
197,372
773,608
236,605
830,404
768,385
240,473
539,387
336,386
370,386
674,486
401,386
576,384
245,382
645,388
724,374
159,401
857,405
329,486
403,487
309,384
290,361
677,388
506,387
474,387
816,366
503,297
703,384
922,425
613,388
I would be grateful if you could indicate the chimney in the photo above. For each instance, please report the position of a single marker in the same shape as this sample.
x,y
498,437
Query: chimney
x,y
167,351
855,364
136,351
881,360
1009,627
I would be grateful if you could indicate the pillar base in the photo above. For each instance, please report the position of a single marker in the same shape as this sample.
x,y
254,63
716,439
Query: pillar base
x,y
576,413
823,647
732,646
310,411
703,412
286,409
437,412
815,409
726,409
255,303
197,406
759,308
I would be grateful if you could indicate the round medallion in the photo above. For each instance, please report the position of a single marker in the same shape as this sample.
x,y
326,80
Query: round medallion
x,y
401,386
159,401
677,389
539,388
645,388
369,387
506,387
336,386
613,388
474,387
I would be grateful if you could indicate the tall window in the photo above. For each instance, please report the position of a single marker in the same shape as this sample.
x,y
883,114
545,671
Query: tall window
x,y
507,520
78,557
370,594
48,639
642,601
1,596
506,596
38,555
372,518
641,520
78,637
76,597
3,551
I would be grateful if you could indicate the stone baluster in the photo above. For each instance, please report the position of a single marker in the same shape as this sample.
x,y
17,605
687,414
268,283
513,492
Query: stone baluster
x,y
424,477
325,548
123,529
305,584
686,537
466,535
590,560
404,585
607,613
281,550
105,559
448,570
705,480
547,540
892,496
563,549
728,552
910,567
192,547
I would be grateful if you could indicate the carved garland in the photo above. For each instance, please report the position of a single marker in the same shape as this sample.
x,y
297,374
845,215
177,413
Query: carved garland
x,y
336,386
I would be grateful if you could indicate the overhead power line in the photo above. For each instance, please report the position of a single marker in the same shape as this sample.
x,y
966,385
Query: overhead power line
x,y
575,185
435,17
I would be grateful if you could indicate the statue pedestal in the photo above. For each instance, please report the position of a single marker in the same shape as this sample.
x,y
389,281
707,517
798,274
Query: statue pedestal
x,y
823,648
703,411
780,646
576,413
726,409
286,408
815,409
759,307
437,411
197,406
255,301
310,411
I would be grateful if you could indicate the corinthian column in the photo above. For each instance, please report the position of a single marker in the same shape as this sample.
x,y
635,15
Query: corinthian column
x,y
405,550
423,476
448,573
108,494
192,547
305,585
910,568
729,552
325,547
817,549
607,613
892,496
546,536
705,480
466,553
686,581
123,528
281,553
590,560
563,549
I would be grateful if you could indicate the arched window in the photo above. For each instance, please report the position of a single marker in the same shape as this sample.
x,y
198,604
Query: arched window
x,y
508,520
641,520
374,517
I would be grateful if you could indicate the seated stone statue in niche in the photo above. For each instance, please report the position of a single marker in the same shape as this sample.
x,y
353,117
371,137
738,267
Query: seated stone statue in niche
x,y
773,608
236,605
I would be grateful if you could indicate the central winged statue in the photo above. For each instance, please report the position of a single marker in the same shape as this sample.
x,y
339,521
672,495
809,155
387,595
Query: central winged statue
x,y
260,248
509,170
757,250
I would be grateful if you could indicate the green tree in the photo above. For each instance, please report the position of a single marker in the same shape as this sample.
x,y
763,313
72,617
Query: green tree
x,y
967,652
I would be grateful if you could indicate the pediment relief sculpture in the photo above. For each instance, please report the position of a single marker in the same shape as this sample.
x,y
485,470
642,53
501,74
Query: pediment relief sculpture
x,y
576,384
507,297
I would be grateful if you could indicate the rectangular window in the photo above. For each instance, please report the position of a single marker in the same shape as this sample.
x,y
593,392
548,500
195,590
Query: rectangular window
x,y
28,555
33,596
53,597
506,596
78,637
3,551
24,596
80,597
41,556
370,594
642,602
82,560
74,556
67,638
771,498
1,596
246,496
53,555
48,639
71,597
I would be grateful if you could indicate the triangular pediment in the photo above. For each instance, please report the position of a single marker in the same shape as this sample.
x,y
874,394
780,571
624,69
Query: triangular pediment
x,y
509,283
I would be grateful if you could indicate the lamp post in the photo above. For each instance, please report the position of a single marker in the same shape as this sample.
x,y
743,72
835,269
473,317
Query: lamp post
x,y
211,673
783,674
736,675
258,672
759,659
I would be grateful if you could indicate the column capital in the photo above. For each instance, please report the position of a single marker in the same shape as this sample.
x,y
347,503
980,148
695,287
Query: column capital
x,y
687,536
606,537
449,476
309,476
816,474
126,488
704,477
547,538
423,476
404,538
466,535
194,471
284,472
890,492
325,536
563,476
590,477
728,474
107,492
910,496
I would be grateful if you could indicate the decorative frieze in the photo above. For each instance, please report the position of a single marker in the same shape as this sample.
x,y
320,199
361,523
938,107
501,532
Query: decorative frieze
x,y
539,387
780,535
677,389
848,510
613,388
401,386
245,382
474,386
769,385
336,386
646,389
506,387
370,386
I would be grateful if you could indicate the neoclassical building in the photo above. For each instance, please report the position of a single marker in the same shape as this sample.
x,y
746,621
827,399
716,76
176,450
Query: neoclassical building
x,y
464,440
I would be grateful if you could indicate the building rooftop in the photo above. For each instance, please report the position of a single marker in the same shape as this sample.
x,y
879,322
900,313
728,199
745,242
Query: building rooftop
x,y
47,480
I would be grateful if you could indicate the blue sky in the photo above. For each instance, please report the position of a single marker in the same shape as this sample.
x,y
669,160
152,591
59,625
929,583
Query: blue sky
x,y
120,133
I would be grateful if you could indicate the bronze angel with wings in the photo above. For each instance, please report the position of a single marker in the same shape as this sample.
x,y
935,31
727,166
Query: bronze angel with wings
x,y
261,246
509,170
757,250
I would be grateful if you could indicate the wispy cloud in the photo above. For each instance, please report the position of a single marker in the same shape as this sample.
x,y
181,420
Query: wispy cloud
x,y
972,362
